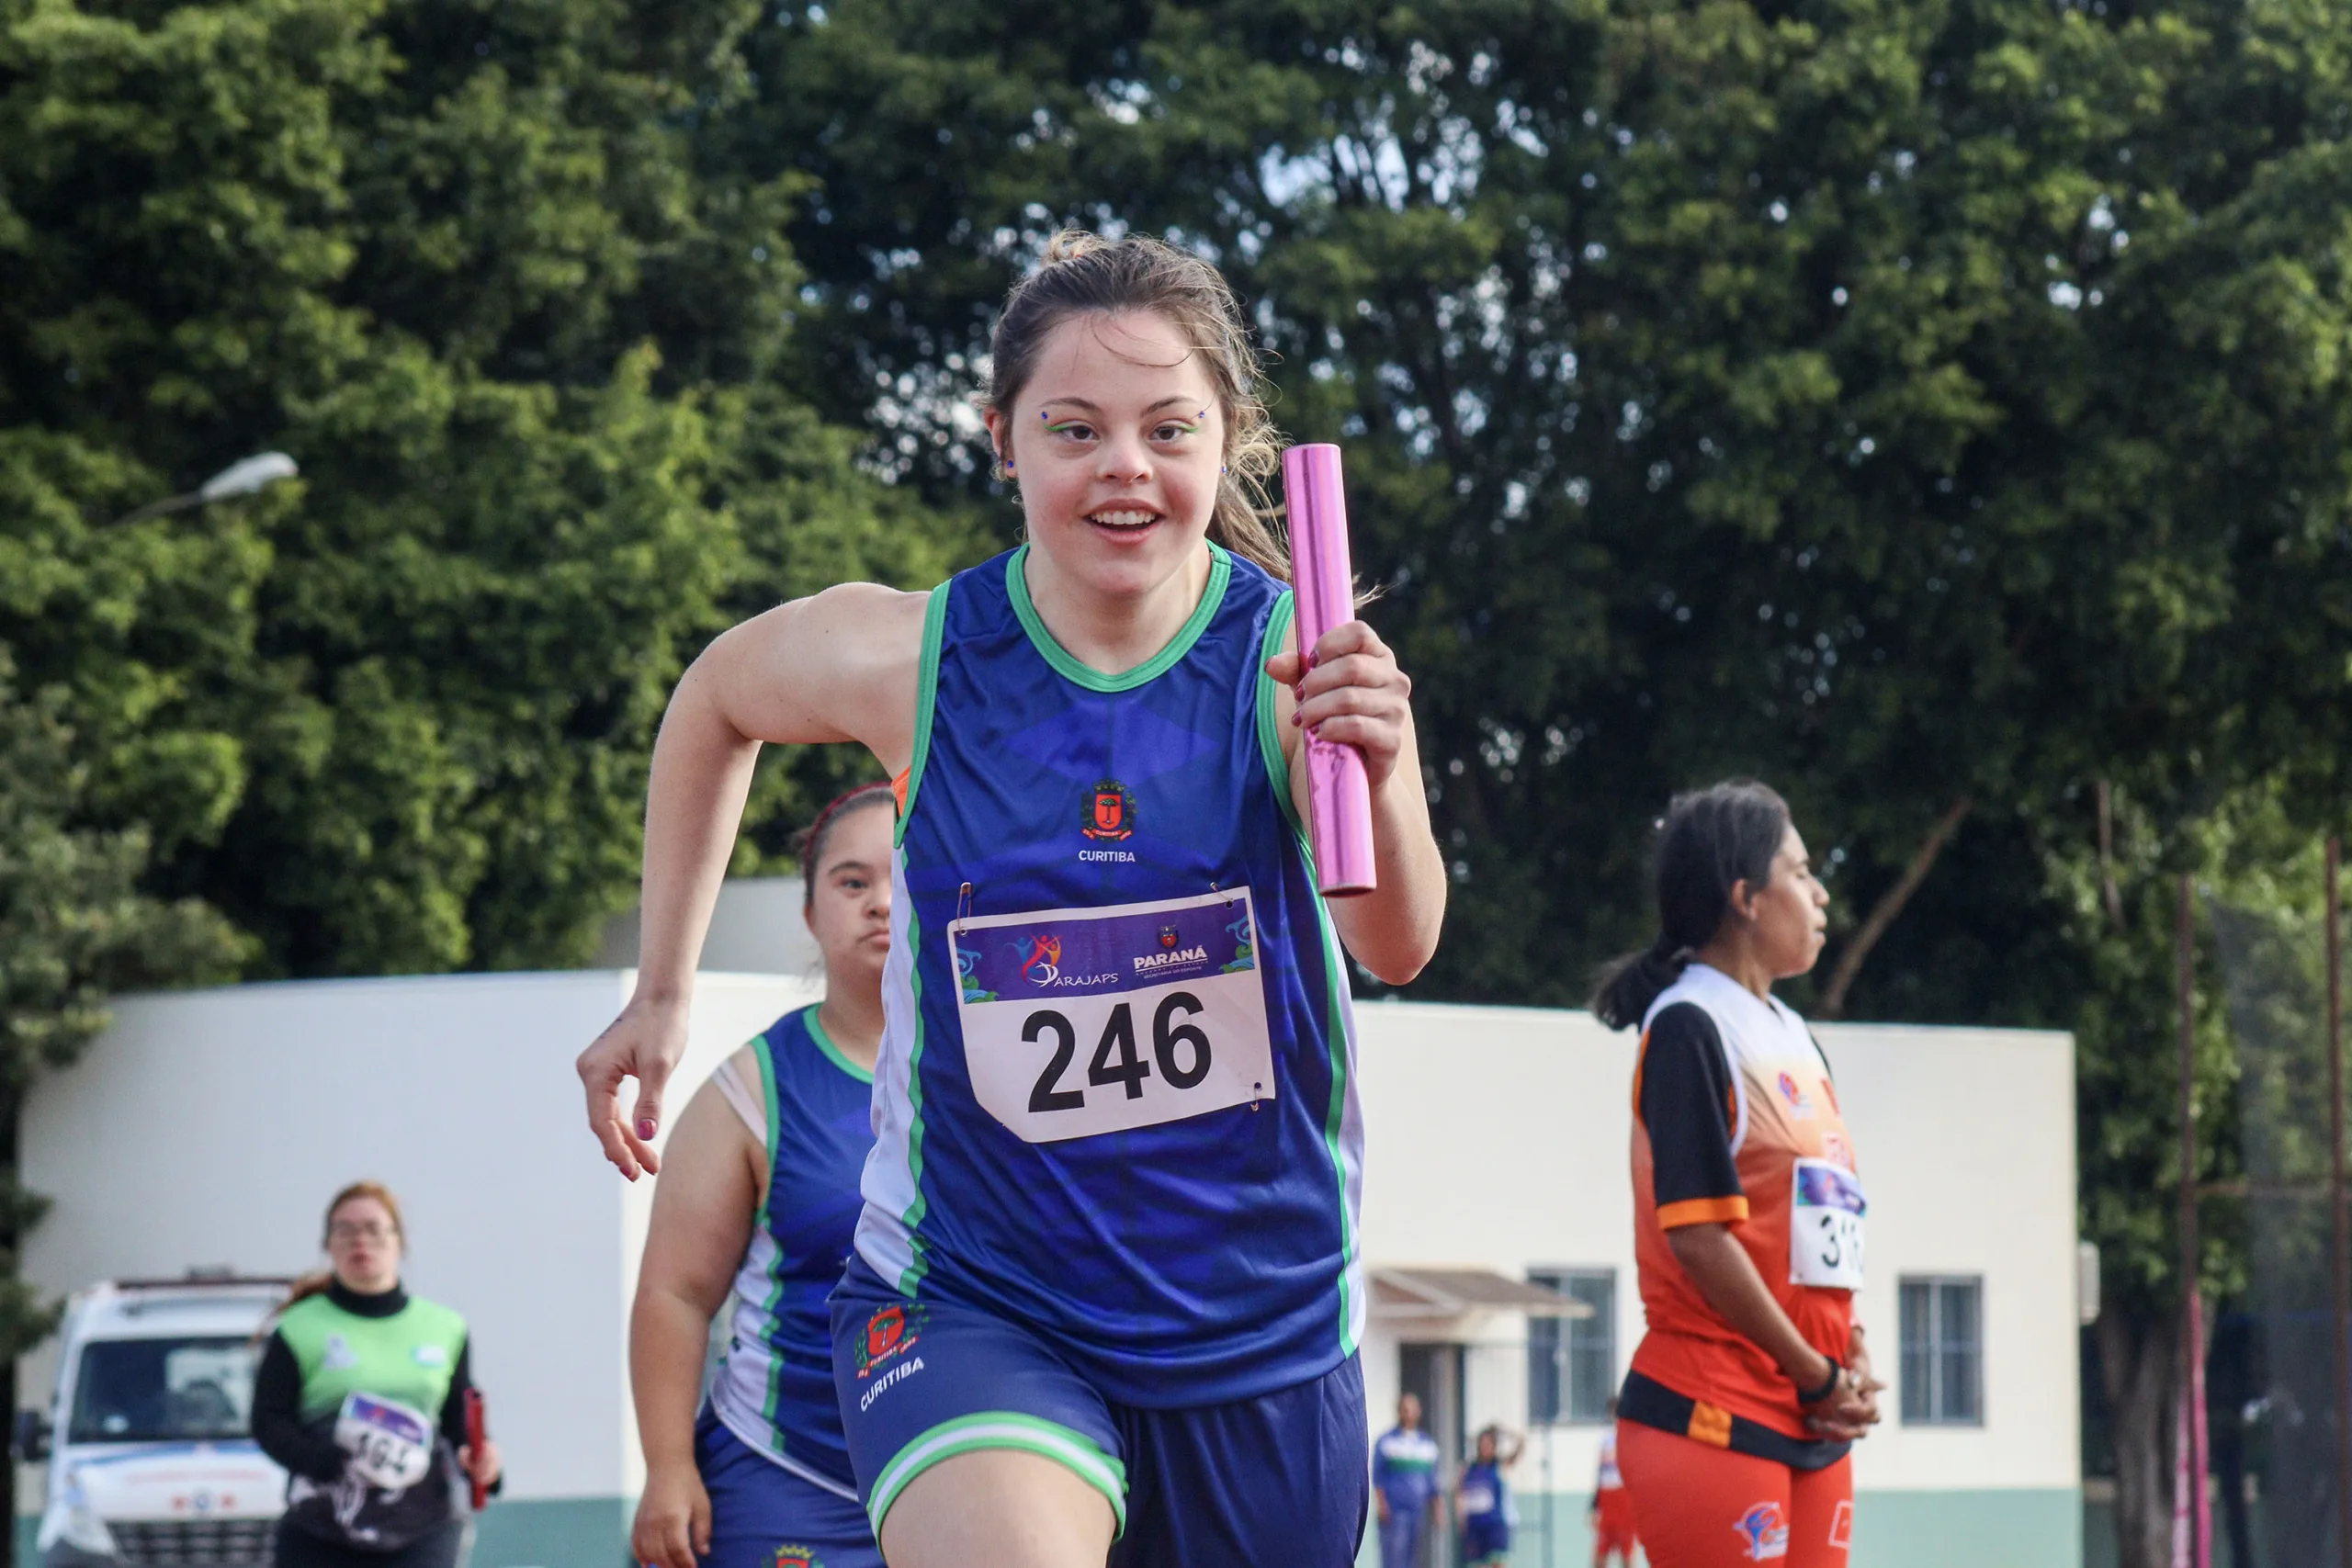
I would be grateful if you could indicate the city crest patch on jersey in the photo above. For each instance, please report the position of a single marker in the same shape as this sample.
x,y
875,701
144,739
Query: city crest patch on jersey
x,y
796,1557
888,1332
1110,813
1764,1533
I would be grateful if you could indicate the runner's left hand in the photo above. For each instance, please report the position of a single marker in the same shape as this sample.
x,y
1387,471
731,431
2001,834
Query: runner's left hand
x,y
483,1469
1350,693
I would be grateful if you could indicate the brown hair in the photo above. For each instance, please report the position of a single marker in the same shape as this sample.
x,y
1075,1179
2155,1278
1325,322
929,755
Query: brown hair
x,y
316,1282
810,841
1084,273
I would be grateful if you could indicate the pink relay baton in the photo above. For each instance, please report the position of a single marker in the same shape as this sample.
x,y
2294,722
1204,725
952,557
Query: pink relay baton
x,y
1339,794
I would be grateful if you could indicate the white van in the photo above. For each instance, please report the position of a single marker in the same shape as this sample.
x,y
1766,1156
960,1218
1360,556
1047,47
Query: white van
x,y
152,1462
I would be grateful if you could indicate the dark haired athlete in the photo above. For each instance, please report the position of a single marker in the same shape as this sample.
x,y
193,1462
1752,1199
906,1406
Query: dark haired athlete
x,y
761,1194
1107,1292
1752,1382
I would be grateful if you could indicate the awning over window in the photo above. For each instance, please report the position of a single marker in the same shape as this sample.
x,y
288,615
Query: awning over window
x,y
1449,1293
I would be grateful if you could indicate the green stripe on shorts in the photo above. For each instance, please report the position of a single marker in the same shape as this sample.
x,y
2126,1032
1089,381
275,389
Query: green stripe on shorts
x,y
1002,1429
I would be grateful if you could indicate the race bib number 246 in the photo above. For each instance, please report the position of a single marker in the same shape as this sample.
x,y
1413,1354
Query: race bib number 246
x,y
1083,1021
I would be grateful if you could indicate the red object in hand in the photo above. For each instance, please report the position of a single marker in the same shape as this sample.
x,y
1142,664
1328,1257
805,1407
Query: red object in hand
x,y
477,1434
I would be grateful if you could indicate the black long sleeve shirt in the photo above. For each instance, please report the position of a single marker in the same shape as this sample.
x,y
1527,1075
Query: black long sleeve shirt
x,y
310,1451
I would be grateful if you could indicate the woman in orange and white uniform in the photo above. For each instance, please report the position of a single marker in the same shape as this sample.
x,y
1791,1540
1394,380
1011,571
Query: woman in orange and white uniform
x,y
1753,1381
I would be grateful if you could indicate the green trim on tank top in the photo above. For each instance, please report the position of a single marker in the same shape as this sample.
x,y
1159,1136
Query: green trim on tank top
x,y
1270,747
1016,585
1336,976
1270,738
766,1053
935,625
911,1278
833,1052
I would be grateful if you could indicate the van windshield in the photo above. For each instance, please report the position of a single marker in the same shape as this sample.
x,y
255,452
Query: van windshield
x,y
135,1391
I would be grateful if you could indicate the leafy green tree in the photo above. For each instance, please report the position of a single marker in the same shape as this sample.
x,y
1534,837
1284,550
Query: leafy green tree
x,y
462,263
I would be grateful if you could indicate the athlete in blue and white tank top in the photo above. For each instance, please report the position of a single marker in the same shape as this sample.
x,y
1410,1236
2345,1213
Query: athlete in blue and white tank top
x,y
763,1185
1105,1299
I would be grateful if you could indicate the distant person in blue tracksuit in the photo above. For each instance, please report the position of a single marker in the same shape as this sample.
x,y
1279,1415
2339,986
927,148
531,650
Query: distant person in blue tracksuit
x,y
1482,1502
1404,1486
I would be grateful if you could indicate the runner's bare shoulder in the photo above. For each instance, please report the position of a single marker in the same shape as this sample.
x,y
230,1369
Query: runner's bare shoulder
x,y
840,665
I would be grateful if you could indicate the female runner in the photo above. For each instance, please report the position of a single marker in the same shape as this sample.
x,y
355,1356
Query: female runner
x,y
1752,1382
761,1193
1107,1285
360,1397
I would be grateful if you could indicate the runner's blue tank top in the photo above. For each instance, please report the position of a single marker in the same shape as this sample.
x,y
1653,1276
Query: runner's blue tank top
x,y
774,1383
1116,1101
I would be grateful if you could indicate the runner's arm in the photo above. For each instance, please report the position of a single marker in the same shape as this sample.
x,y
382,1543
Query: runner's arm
x,y
700,1228
839,666
1355,695
277,1419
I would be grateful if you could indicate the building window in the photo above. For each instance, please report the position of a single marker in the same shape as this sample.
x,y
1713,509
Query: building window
x,y
1943,1352
1572,1361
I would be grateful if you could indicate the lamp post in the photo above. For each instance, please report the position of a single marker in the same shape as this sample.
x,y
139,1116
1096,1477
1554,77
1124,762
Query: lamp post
x,y
243,477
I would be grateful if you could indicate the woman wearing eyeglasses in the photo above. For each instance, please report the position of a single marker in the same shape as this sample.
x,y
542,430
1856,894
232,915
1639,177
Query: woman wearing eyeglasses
x,y
361,1397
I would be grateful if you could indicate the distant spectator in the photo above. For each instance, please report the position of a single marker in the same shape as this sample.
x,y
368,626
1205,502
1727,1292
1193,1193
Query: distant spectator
x,y
1482,1500
1404,1486
361,1397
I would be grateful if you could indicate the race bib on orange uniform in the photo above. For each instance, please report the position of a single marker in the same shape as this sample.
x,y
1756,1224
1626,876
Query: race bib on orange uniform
x,y
1078,1022
1826,1209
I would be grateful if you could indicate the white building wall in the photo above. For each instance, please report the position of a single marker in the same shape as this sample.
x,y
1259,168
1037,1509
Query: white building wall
x,y
1498,1138
210,1127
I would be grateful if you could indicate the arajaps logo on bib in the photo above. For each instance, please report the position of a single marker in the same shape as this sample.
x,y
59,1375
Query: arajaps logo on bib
x,y
889,1331
1764,1529
1041,959
1110,813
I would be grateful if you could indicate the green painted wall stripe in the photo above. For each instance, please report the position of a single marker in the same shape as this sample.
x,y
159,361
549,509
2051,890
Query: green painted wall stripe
x,y
1016,585
1991,1527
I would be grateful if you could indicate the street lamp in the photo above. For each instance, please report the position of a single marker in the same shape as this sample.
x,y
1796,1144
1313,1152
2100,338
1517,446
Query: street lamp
x,y
241,477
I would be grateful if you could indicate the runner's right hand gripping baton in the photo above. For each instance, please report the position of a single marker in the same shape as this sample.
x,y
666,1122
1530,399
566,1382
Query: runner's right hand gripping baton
x,y
1339,793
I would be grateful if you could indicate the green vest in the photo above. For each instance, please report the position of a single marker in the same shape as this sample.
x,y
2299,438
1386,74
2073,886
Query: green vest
x,y
409,1357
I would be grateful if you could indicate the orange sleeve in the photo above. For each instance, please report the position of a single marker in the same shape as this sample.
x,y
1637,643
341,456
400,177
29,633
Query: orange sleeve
x,y
1702,1211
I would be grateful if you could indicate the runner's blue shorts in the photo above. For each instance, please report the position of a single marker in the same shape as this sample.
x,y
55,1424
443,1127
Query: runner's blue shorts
x,y
763,1516
1281,1481
1486,1538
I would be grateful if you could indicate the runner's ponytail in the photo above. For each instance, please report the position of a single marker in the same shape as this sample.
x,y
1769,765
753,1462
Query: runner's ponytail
x,y
1709,841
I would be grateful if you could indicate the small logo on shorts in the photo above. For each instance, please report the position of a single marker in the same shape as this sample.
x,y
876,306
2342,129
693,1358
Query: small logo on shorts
x,y
888,1332
1110,813
1841,1526
796,1557
1764,1529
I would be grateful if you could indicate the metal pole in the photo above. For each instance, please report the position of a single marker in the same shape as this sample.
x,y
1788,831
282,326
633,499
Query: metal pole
x,y
2191,1325
2339,1237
